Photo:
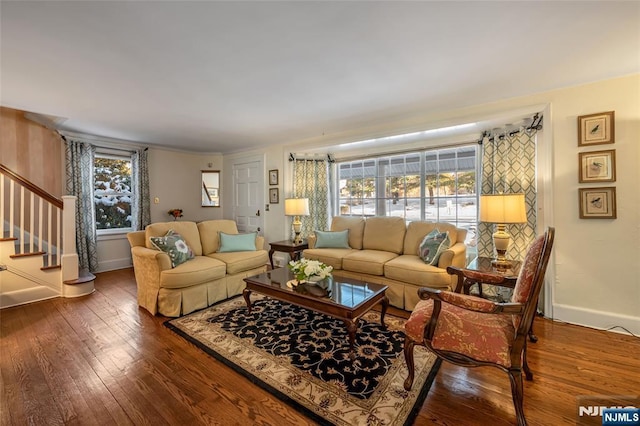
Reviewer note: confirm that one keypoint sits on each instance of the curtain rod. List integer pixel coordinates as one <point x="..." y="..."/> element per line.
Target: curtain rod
<point x="329" y="158"/>
<point x="130" y="150"/>
<point x="536" y="124"/>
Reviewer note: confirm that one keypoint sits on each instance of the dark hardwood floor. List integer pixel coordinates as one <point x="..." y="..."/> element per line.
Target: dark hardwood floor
<point x="100" y="359"/>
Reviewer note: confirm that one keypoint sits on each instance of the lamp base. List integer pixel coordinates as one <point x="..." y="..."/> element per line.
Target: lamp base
<point x="501" y="240"/>
<point x="297" y="239"/>
<point x="501" y="264"/>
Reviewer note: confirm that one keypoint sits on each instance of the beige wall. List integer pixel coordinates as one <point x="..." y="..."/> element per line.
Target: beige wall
<point x="175" y="178"/>
<point x="595" y="271"/>
<point x="32" y="151"/>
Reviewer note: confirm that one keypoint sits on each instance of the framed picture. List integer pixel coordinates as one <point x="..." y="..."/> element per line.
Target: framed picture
<point x="274" y="197"/>
<point x="598" y="203"/>
<point x="273" y="177"/>
<point x="596" y="129"/>
<point x="597" y="166"/>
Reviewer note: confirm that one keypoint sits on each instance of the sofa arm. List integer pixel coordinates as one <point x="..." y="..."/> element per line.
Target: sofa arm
<point x="145" y="255"/>
<point x="455" y="255"/>
<point x="259" y="242"/>
<point x="136" y="238"/>
<point x="311" y="240"/>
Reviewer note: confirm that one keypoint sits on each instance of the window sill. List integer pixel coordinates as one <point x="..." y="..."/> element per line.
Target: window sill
<point x="113" y="234"/>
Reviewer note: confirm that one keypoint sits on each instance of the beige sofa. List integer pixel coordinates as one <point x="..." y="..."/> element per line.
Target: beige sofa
<point x="384" y="250"/>
<point x="207" y="278"/>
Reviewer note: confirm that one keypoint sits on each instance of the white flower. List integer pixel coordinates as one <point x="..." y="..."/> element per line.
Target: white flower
<point x="305" y="268"/>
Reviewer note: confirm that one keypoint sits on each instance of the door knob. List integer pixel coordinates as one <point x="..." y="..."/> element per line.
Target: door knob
<point x="258" y="212"/>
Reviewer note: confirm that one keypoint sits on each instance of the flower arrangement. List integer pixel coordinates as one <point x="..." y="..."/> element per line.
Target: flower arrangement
<point x="176" y="213"/>
<point x="309" y="270"/>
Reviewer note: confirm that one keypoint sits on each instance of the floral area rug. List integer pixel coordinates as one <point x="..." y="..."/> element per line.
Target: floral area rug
<point x="302" y="357"/>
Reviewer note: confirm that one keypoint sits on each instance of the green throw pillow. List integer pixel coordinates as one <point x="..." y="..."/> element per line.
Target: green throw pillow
<point x="335" y="239"/>
<point x="237" y="242"/>
<point x="175" y="246"/>
<point x="432" y="246"/>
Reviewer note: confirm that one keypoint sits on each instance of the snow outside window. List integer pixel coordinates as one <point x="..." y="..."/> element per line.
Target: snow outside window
<point x="112" y="192"/>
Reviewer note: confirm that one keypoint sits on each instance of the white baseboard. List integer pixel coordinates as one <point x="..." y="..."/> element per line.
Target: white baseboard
<point x="596" y="319"/>
<point x="114" y="264"/>
<point x="28" y="295"/>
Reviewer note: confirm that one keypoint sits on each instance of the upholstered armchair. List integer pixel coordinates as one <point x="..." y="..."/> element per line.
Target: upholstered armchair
<point x="471" y="332"/>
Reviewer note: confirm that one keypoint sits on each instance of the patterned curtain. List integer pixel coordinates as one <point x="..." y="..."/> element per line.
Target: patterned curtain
<point x="311" y="181"/>
<point x="79" y="182"/>
<point x="141" y="203"/>
<point x="509" y="166"/>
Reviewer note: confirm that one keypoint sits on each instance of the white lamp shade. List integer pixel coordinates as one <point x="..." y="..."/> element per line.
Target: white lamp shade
<point x="503" y="208"/>
<point x="296" y="207"/>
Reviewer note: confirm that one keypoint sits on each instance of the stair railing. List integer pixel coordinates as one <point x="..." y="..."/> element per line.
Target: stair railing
<point x="32" y="216"/>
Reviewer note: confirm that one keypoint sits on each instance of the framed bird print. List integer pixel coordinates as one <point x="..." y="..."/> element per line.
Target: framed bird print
<point x="596" y="129"/>
<point x="597" y="166"/>
<point x="598" y="203"/>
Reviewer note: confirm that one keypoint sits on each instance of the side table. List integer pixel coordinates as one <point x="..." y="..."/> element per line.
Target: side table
<point x="483" y="264"/>
<point x="287" y="246"/>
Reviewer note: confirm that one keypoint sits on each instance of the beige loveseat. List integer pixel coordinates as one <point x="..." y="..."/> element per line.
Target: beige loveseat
<point x="207" y="278"/>
<point x="384" y="250"/>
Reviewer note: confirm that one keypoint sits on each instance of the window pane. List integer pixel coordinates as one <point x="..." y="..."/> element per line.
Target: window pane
<point x="112" y="187"/>
<point x="434" y="185"/>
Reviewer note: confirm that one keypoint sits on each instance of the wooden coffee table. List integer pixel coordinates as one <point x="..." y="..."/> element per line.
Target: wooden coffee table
<point x="343" y="298"/>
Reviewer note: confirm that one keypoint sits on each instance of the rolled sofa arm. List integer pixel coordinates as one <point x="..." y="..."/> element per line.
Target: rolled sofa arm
<point x="143" y="254"/>
<point x="455" y="255"/>
<point x="259" y="242"/>
<point x="311" y="240"/>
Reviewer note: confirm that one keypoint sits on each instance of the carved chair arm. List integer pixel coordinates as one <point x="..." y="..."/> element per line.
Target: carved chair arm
<point x="470" y="303"/>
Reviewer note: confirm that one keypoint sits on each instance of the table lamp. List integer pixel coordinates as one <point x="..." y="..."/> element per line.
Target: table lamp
<point x="502" y="209"/>
<point x="296" y="207"/>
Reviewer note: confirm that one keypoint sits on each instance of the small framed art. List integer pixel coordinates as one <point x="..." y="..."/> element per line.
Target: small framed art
<point x="596" y="129"/>
<point x="597" y="166"/>
<point x="273" y="177"/>
<point x="274" y="197"/>
<point x="598" y="203"/>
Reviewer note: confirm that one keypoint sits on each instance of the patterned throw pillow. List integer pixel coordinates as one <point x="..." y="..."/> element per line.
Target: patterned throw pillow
<point x="175" y="246"/>
<point x="432" y="246"/>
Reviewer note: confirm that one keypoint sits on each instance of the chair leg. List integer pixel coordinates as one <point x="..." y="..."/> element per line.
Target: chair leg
<point x="408" y="356"/>
<point x="517" y="393"/>
<point x="527" y="371"/>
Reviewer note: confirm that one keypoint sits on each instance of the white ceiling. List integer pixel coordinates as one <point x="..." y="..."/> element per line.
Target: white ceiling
<point x="230" y="76"/>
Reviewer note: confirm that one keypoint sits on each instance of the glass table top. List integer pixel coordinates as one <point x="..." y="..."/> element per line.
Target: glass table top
<point x="347" y="292"/>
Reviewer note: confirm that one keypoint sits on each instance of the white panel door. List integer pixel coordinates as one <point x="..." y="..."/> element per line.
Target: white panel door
<point x="248" y="183"/>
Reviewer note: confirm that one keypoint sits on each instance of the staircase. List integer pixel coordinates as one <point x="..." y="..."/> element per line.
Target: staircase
<point x="38" y="258"/>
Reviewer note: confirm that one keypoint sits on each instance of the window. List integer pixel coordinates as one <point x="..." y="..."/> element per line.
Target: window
<point x="112" y="192"/>
<point x="434" y="185"/>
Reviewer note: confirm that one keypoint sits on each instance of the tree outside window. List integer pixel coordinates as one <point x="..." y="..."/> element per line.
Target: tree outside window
<point x="112" y="192"/>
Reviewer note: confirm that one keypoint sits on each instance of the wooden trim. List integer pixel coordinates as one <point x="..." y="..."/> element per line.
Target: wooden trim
<point x="32" y="187"/>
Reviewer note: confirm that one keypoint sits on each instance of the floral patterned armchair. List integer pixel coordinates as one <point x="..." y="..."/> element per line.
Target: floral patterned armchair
<point x="472" y="332"/>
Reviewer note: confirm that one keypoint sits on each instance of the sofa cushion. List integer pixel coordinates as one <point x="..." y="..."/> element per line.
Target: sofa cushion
<point x="367" y="261"/>
<point x="237" y="242"/>
<point x="241" y="261"/>
<point x="355" y="226"/>
<point x="209" y="233"/>
<point x="384" y="233"/>
<point x="188" y="230"/>
<point x="330" y="256"/>
<point x="417" y="230"/>
<point x="200" y="269"/>
<point x="411" y="269"/>
<point x="332" y="239"/>
<point x="433" y="245"/>
<point x="174" y="245"/>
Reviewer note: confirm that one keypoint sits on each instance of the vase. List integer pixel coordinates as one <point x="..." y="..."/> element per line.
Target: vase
<point x="313" y="279"/>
